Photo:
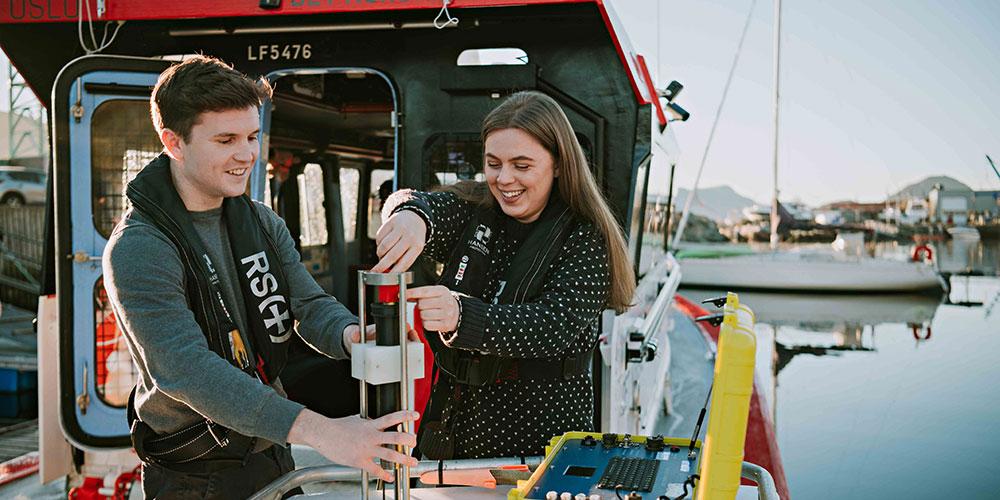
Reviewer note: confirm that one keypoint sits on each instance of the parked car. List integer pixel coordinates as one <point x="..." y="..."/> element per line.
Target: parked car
<point x="20" y="185"/>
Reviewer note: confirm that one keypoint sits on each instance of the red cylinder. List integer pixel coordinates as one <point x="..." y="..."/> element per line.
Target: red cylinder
<point x="388" y="294"/>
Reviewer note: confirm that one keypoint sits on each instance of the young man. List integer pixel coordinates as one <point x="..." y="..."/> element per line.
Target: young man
<point x="207" y="288"/>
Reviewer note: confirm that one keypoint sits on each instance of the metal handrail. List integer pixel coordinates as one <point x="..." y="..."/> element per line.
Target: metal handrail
<point x="766" y="490"/>
<point x="331" y="473"/>
<point x="651" y="322"/>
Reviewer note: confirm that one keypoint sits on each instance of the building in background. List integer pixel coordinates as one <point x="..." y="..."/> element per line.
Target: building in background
<point x="852" y="211"/>
<point x="986" y="207"/>
<point x="30" y="148"/>
<point x="950" y="206"/>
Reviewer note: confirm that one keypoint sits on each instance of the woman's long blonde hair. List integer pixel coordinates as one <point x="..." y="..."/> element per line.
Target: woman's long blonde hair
<point x="540" y="116"/>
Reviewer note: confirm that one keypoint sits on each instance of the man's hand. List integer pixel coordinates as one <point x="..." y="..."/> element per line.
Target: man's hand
<point x="352" y="335"/>
<point x="400" y="241"/>
<point x="439" y="309"/>
<point x="354" y="441"/>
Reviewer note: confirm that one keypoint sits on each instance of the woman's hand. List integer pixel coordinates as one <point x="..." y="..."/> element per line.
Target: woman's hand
<point x="354" y="441"/>
<point x="352" y="335"/>
<point x="439" y="309"/>
<point x="400" y="241"/>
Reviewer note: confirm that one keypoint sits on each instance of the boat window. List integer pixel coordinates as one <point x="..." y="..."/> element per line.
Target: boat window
<point x="654" y="219"/>
<point x="375" y="199"/>
<point x="635" y="230"/>
<point x="493" y="57"/>
<point x="350" y="185"/>
<point x="449" y="158"/>
<point x="122" y="142"/>
<point x="114" y="372"/>
<point x="313" y="235"/>
<point x="312" y="212"/>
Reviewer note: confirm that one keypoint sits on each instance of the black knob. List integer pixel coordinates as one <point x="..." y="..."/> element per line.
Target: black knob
<point x="609" y="440"/>
<point x="655" y="443"/>
<point x="589" y="441"/>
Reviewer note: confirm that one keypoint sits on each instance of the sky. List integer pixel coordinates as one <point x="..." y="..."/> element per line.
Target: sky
<point x="875" y="95"/>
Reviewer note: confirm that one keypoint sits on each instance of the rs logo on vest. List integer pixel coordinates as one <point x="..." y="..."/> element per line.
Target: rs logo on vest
<point x="262" y="285"/>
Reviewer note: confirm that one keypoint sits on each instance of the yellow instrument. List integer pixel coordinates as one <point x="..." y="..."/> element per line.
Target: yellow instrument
<point x="604" y="466"/>
<point x="731" y="390"/>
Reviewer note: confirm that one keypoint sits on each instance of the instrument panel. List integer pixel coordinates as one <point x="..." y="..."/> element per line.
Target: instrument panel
<point x="593" y="466"/>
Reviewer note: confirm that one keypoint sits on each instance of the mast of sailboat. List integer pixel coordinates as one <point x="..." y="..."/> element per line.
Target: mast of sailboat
<point x="775" y="218"/>
<point x="992" y="165"/>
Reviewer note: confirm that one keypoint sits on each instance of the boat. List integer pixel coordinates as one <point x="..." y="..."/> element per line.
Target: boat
<point x="810" y="271"/>
<point x="964" y="233"/>
<point x="358" y="110"/>
<point x="845" y="267"/>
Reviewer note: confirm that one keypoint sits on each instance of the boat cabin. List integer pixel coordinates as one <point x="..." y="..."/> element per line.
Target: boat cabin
<point x="368" y="94"/>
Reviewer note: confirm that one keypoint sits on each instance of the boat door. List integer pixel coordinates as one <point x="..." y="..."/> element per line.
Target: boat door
<point x="331" y="137"/>
<point x="328" y="134"/>
<point x="102" y="136"/>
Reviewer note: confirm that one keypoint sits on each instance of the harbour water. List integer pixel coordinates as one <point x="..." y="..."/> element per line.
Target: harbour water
<point x="887" y="396"/>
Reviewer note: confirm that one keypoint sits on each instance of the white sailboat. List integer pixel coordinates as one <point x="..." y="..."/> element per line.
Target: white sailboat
<point x="781" y="269"/>
<point x="809" y="271"/>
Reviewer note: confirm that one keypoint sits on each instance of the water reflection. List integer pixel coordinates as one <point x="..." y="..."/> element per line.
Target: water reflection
<point x="954" y="256"/>
<point x="862" y="386"/>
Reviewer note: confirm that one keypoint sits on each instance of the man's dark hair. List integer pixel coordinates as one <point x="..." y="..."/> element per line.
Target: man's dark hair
<point x="384" y="190"/>
<point x="198" y="85"/>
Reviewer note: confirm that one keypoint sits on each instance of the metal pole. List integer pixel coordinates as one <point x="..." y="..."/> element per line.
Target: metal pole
<point x="11" y="125"/>
<point x="775" y="219"/>
<point x="361" y="382"/>
<point x="403" y="480"/>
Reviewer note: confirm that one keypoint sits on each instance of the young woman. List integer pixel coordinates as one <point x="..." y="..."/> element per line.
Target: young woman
<point x="532" y="256"/>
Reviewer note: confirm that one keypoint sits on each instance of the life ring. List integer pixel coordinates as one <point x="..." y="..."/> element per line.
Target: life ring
<point x="922" y="252"/>
<point x="916" y="333"/>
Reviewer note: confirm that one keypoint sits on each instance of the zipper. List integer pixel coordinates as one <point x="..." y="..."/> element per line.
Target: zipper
<point x="221" y="442"/>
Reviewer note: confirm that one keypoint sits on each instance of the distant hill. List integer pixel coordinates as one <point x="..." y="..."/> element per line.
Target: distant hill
<point x="715" y="203"/>
<point x="923" y="188"/>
